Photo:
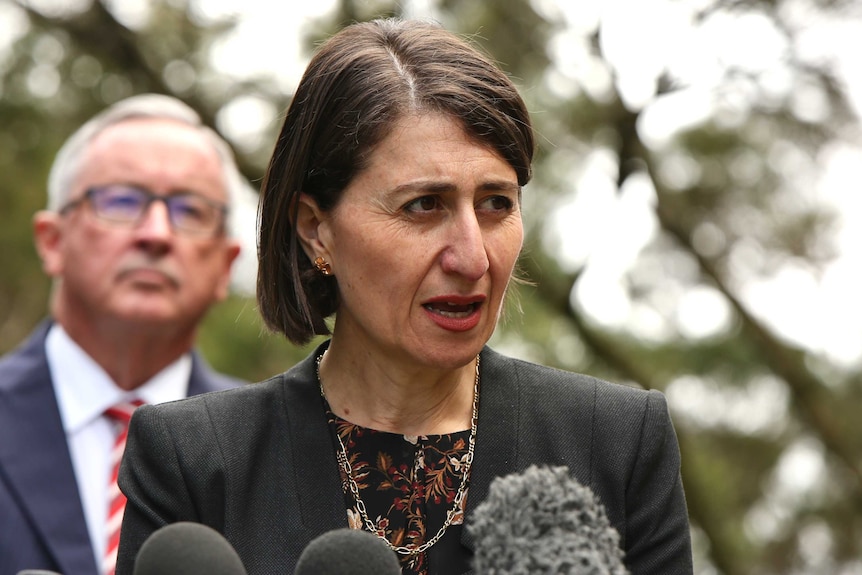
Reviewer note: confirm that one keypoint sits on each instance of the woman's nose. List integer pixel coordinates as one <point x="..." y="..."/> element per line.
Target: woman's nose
<point x="465" y="252"/>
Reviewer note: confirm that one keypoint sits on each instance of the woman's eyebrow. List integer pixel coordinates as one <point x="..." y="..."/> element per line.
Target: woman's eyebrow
<point x="438" y="187"/>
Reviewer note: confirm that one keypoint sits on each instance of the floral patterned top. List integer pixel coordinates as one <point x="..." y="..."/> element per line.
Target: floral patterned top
<point x="408" y="485"/>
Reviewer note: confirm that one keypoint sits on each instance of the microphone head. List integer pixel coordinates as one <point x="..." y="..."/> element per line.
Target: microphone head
<point x="186" y="548"/>
<point x="543" y="522"/>
<point x="347" y="552"/>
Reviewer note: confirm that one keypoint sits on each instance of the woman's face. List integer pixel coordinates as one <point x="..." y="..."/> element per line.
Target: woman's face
<point x="423" y="243"/>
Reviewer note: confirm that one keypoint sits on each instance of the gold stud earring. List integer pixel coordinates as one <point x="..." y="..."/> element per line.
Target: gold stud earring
<point x="322" y="266"/>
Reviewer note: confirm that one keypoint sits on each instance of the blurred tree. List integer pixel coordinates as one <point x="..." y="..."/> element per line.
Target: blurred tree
<point x="718" y="161"/>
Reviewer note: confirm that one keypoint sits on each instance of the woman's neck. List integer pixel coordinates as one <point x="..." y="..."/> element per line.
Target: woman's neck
<point x="388" y="397"/>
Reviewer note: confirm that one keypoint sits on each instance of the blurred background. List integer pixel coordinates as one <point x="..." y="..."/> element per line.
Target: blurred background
<point x="694" y="224"/>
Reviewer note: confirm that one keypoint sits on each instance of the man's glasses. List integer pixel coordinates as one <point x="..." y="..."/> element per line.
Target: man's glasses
<point x="126" y="205"/>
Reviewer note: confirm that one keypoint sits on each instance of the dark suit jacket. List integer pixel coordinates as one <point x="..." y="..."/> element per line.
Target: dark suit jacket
<point x="42" y="523"/>
<point x="258" y="464"/>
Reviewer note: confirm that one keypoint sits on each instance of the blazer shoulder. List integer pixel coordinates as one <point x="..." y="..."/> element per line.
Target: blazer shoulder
<point x="225" y="402"/>
<point x="547" y="380"/>
<point x="252" y="404"/>
<point x="547" y="396"/>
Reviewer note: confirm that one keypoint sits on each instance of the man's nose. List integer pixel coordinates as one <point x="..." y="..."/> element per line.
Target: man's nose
<point x="155" y="223"/>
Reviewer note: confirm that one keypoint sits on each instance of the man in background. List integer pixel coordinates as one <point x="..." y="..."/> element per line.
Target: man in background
<point x="136" y="237"/>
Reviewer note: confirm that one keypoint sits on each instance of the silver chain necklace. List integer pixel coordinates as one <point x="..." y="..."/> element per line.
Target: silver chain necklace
<point x="344" y="463"/>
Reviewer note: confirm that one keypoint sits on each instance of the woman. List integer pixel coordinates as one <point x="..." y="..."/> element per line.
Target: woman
<point x="392" y="202"/>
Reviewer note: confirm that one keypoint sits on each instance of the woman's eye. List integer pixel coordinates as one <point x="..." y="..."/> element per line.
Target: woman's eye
<point x="423" y="204"/>
<point x="497" y="203"/>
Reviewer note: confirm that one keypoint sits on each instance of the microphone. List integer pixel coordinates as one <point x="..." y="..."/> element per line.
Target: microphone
<point x="543" y="522"/>
<point x="347" y="552"/>
<point x="187" y="548"/>
<point x="36" y="572"/>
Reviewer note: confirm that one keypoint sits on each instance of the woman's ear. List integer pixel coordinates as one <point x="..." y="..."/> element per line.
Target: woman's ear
<point x="309" y="222"/>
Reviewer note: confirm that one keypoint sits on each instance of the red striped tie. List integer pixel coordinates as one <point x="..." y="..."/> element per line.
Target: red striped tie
<point x="121" y="414"/>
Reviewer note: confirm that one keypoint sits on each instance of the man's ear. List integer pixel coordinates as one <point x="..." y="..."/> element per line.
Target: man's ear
<point x="310" y="228"/>
<point x="48" y="236"/>
<point x="232" y="250"/>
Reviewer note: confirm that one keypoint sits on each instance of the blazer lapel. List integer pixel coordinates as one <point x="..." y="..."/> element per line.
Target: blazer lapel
<point x="45" y="485"/>
<point x="497" y="433"/>
<point x="317" y="477"/>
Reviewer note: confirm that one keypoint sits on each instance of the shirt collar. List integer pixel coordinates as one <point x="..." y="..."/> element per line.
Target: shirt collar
<point x="84" y="390"/>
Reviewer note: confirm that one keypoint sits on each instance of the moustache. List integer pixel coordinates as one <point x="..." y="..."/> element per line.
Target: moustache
<point x="160" y="267"/>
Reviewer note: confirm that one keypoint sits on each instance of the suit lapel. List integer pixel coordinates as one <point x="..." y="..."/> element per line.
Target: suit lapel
<point x="198" y="376"/>
<point x="44" y="486"/>
<point x="204" y="379"/>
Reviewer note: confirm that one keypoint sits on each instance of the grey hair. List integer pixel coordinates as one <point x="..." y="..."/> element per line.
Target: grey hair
<point x="67" y="162"/>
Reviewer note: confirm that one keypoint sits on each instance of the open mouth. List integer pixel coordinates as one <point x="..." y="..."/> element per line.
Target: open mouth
<point x="451" y="309"/>
<point x="455" y="313"/>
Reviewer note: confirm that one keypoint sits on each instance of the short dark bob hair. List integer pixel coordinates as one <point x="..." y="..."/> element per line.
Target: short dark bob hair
<point x="361" y="82"/>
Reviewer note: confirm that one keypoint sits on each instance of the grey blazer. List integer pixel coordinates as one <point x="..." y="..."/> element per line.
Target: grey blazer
<point x="258" y="465"/>
<point x="42" y="523"/>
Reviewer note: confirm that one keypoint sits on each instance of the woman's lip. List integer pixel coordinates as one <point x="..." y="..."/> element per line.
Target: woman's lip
<point x="456" y="300"/>
<point x="455" y="313"/>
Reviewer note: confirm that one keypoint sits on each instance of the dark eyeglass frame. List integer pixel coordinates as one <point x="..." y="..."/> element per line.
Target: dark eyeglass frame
<point x="92" y="195"/>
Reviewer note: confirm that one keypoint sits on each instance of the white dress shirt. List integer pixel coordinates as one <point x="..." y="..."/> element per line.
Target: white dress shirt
<point x="84" y="391"/>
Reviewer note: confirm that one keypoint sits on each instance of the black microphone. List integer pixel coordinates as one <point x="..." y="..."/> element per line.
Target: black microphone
<point x="347" y="552"/>
<point x="186" y="548"/>
<point x="36" y="572"/>
<point x="543" y="522"/>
